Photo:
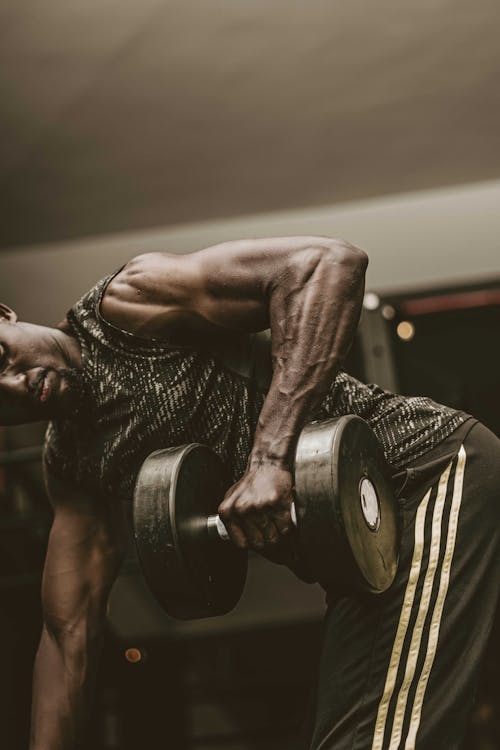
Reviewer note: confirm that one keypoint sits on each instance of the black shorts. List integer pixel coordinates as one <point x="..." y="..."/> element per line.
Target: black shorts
<point x="399" y="670"/>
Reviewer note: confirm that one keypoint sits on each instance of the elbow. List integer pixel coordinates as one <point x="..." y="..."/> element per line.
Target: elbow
<point x="329" y="252"/>
<point x="327" y="261"/>
<point x="74" y="637"/>
<point x="332" y="259"/>
<point x="345" y="254"/>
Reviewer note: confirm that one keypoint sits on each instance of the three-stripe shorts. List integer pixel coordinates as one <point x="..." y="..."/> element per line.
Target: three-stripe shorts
<point x="399" y="670"/>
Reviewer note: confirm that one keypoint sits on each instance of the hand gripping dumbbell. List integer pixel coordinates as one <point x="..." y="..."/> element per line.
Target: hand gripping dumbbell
<point x="345" y="513"/>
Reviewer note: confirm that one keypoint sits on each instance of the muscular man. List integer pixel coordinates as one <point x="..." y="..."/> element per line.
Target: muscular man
<point x="140" y="363"/>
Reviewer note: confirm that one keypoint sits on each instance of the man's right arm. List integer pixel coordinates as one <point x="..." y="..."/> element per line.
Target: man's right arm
<point x="86" y="547"/>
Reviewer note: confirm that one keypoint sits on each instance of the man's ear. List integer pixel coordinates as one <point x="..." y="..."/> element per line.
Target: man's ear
<point x="7" y="314"/>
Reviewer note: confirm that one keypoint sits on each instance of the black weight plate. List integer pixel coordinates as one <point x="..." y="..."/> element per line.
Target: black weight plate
<point x="369" y="508"/>
<point x="348" y="516"/>
<point x="190" y="574"/>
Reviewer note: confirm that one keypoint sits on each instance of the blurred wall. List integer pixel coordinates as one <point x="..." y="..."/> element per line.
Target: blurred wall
<point x="123" y="115"/>
<point x="415" y="239"/>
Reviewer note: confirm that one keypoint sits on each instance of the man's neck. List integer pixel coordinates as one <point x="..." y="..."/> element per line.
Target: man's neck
<point x="68" y="345"/>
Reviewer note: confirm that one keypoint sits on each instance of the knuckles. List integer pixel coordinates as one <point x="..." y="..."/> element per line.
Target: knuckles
<point x="272" y="498"/>
<point x="225" y="511"/>
<point x="241" y="507"/>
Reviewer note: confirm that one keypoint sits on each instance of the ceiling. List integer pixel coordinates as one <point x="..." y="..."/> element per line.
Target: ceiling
<point x="125" y="115"/>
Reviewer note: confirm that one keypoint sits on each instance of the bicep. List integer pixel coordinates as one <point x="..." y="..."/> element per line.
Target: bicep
<point x="84" y="553"/>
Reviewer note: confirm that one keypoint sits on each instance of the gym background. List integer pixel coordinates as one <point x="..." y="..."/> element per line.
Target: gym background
<point x="173" y="124"/>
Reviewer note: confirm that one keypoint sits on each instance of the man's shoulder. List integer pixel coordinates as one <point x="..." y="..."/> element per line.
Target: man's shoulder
<point x="85" y="312"/>
<point x="151" y="297"/>
<point x="65" y="489"/>
<point x="60" y="449"/>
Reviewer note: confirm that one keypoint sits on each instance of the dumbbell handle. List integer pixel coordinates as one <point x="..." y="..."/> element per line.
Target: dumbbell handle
<point x="216" y="526"/>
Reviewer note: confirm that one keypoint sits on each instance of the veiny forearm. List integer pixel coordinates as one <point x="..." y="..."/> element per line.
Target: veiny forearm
<point x="63" y="683"/>
<point x="314" y="310"/>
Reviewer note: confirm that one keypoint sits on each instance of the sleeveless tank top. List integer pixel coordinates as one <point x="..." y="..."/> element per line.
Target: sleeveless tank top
<point x="144" y="394"/>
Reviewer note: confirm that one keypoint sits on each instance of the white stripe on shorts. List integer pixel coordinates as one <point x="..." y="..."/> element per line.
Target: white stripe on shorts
<point x="433" y="568"/>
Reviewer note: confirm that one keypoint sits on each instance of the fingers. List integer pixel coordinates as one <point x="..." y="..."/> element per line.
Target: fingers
<point x="233" y="527"/>
<point x="253" y="532"/>
<point x="283" y="521"/>
<point x="242" y="526"/>
<point x="265" y="526"/>
<point x="255" y="529"/>
<point x="256" y="510"/>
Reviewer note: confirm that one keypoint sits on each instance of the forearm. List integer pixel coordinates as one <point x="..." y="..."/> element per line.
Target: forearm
<point x="63" y="679"/>
<point x="314" y="310"/>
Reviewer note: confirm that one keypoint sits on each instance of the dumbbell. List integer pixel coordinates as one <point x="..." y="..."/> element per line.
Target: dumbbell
<point x="345" y="513"/>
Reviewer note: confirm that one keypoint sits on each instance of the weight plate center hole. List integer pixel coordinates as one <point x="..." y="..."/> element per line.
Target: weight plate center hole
<point x="370" y="506"/>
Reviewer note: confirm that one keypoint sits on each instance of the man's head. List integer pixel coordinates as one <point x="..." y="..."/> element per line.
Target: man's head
<point x="39" y="366"/>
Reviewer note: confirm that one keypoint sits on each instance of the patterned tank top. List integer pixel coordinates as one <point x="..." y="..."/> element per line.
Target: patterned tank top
<point x="141" y="395"/>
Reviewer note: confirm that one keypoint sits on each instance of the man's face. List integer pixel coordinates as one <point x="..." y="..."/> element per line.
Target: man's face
<point x="35" y="371"/>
